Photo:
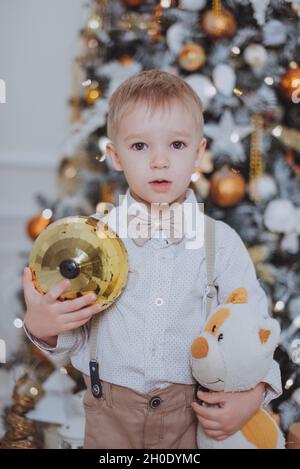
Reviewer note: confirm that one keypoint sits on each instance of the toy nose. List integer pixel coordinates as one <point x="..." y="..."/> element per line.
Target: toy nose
<point x="200" y="348"/>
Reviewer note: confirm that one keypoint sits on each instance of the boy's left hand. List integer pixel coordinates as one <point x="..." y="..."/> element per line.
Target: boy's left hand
<point x="235" y="409"/>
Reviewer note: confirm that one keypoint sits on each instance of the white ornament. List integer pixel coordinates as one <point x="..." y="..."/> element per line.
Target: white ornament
<point x="294" y="307"/>
<point x="224" y="79"/>
<point x="262" y="188"/>
<point x="289" y="243"/>
<point x="228" y="134"/>
<point x="298" y="220"/>
<point x="260" y="8"/>
<point x="280" y="216"/>
<point x="274" y="33"/>
<point x="255" y="55"/>
<point x="203" y="87"/>
<point x="176" y="36"/>
<point x="193" y="5"/>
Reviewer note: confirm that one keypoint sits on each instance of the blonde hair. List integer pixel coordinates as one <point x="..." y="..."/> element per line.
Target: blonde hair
<point x="156" y="88"/>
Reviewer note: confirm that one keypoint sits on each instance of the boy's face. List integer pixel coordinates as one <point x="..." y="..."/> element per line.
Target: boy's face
<point x="161" y="144"/>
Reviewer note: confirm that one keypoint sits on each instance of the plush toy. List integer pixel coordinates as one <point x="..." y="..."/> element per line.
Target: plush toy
<point x="234" y="353"/>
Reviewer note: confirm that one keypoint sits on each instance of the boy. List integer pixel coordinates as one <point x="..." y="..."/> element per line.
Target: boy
<point x="155" y="126"/>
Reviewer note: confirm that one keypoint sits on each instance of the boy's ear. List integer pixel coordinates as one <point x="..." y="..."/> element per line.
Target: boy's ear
<point x="200" y="151"/>
<point x="111" y="151"/>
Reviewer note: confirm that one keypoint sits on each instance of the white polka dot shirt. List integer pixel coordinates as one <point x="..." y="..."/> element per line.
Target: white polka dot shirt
<point x="145" y="336"/>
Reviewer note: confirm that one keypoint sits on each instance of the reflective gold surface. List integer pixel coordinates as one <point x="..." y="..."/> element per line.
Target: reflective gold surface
<point x="86" y="251"/>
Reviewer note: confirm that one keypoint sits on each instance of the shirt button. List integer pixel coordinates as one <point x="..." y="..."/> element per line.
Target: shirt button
<point x="155" y="402"/>
<point x="159" y="301"/>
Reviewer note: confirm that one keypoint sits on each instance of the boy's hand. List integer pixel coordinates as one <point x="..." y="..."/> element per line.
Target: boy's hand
<point x="46" y="317"/>
<point x="235" y="409"/>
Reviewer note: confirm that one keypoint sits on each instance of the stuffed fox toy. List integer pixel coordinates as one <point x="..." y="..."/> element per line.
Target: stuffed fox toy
<point x="234" y="353"/>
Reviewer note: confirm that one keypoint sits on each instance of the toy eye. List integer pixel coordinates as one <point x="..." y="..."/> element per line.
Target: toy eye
<point x="220" y="337"/>
<point x="214" y="328"/>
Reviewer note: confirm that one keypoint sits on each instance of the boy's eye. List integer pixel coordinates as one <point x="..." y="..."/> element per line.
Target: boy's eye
<point x="220" y="337"/>
<point x="177" y="145"/>
<point x="138" y="146"/>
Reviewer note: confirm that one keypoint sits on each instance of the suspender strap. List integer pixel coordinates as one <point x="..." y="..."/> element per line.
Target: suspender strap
<point x="210" y="289"/>
<point x="96" y="386"/>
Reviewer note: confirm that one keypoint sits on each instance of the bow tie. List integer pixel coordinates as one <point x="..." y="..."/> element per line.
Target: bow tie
<point x="169" y="221"/>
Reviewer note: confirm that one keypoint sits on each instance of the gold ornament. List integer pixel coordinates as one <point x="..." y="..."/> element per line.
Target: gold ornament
<point x="256" y="162"/>
<point x="227" y="187"/>
<point x="133" y="3"/>
<point x="38" y="223"/>
<point x="126" y="59"/>
<point x="22" y="433"/>
<point x="84" y="250"/>
<point x="191" y="57"/>
<point x="290" y="84"/>
<point x="218" y="23"/>
<point x="92" y="93"/>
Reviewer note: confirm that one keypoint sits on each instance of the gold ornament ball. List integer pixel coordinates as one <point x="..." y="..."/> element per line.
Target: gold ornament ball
<point x="219" y="25"/>
<point x="133" y="3"/>
<point x="191" y="57"/>
<point x="92" y="93"/>
<point x="290" y="83"/>
<point x="227" y="187"/>
<point x="36" y="225"/>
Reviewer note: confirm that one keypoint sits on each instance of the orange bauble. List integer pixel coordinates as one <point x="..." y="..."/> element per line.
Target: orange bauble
<point x="191" y="57"/>
<point x="36" y="225"/>
<point x="290" y="83"/>
<point x="133" y="3"/>
<point x="227" y="187"/>
<point x="219" y="25"/>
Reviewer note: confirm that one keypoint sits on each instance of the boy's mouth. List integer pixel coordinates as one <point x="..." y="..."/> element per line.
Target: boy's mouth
<point x="159" y="181"/>
<point x="160" y="184"/>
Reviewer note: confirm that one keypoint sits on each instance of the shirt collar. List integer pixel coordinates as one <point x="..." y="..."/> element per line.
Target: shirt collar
<point x="117" y="217"/>
<point x="190" y="199"/>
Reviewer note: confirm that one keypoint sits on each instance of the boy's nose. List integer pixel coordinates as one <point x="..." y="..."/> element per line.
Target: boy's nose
<point x="200" y="348"/>
<point x="159" y="161"/>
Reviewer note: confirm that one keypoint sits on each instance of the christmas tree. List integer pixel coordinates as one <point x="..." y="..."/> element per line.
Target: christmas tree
<point x="241" y="57"/>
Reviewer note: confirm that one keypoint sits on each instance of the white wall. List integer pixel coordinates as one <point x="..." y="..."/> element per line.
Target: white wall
<point x="38" y="39"/>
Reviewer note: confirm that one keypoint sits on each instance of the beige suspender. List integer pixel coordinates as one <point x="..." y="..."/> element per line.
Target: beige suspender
<point x="210" y="289"/>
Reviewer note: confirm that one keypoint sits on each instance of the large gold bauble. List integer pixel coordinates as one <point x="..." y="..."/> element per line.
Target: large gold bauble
<point x="218" y="25"/>
<point x="290" y="84"/>
<point x="84" y="250"/>
<point x="191" y="57"/>
<point x="227" y="188"/>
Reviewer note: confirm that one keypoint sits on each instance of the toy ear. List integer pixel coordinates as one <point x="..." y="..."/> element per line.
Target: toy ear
<point x="238" y="296"/>
<point x="269" y="333"/>
<point x="264" y="334"/>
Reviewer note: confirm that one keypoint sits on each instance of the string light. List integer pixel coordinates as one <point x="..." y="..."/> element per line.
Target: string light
<point x="47" y="213"/>
<point x="236" y="50"/>
<point x="269" y="81"/>
<point x="18" y="323"/>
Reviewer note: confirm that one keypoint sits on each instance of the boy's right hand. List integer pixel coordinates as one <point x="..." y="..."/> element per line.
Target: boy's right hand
<point x="46" y="317"/>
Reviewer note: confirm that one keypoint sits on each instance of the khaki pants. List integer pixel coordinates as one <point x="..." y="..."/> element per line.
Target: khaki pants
<point x="124" y="418"/>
